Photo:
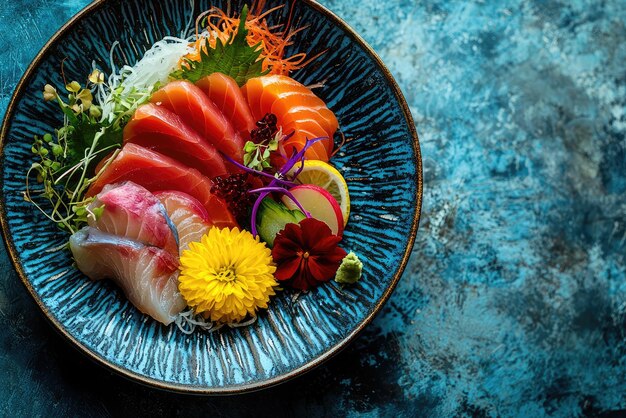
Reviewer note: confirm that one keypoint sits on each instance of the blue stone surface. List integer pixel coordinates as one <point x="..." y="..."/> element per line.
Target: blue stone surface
<point x="514" y="300"/>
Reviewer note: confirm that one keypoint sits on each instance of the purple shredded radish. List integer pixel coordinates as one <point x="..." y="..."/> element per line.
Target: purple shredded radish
<point x="299" y="156"/>
<point x="285" y="192"/>
<point x="255" y="209"/>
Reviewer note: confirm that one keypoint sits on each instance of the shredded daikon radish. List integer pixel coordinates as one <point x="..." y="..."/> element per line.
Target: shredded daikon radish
<point x="141" y="79"/>
<point x="187" y="322"/>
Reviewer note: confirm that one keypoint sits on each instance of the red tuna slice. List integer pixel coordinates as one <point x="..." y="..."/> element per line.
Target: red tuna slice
<point x="187" y="214"/>
<point x="131" y="211"/>
<point x="201" y="114"/>
<point x="225" y="93"/>
<point x="157" y="128"/>
<point x="147" y="275"/>
<point x="156" y="172"/>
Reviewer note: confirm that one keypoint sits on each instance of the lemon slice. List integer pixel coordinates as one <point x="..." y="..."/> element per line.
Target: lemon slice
<point x="327" y="177"/>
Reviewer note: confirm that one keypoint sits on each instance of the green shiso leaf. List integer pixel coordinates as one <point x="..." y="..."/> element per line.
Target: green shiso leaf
<point x="235" y="58"/>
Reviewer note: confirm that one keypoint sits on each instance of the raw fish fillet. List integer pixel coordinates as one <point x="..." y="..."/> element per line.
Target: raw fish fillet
<point x="297" y="109"/>
<point x="201" y="114"/>
<point x="156" y="172"/>
<point x="188" y="215"/>
<point x="226" y="94"/>
<point x="157" y="128"/>
<point x="131" y="211"/>
<point x="147" y="275"/>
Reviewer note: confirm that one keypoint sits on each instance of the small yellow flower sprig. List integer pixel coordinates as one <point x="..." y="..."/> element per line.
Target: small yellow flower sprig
<point x="80" y="99"/>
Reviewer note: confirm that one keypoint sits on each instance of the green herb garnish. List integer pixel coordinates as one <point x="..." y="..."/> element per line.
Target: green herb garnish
<point x="67" y="158"/>
<point x="256" y="156"/>
<point x="265" y="138"/>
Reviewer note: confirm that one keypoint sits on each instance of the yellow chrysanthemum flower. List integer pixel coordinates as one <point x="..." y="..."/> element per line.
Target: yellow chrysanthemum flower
<point x="227" y="276"/>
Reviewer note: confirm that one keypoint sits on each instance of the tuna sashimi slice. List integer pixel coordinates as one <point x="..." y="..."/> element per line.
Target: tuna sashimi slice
<point x="147" y="275"/>
<point x="159" y="129"/>
<point x="156" y="172"/>
<point x="226" y="94"/>
<point x="293" y="103"/>
<point x="131" y="211"/>
<point x="201" y="114"/>
<point x="188" y="215"/>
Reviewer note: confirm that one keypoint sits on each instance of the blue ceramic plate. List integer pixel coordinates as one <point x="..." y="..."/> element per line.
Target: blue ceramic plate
<point x="381" y="163"/>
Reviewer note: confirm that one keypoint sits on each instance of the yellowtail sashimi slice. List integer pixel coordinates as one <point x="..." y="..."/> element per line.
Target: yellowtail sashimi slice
<point x="187" y="214"/>
<point x="147" y="275"/>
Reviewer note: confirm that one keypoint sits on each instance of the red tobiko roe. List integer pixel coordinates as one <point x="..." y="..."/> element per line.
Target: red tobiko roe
<point x="306" y="254"/>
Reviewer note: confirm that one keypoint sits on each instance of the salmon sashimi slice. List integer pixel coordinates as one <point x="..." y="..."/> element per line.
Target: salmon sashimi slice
<point x="309" y="129"/>
<point x="298" y="113"/>
<point x="131" y="211"/>
<point x="155" y="172"/>
<point x="187" y="214"/>
<point x="275" y="91"/>
<point x="285" y="101"/>
<point x="293" y="102"/>
<point x="227" y="96"/>
<point x="157" y="128"/>
<point x="301" y="118"/>
<point x="147" y="275"/>
<point x="195" y="109"/>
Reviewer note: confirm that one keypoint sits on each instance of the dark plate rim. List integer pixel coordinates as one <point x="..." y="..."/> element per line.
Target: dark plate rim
<point x="237" y="389"/>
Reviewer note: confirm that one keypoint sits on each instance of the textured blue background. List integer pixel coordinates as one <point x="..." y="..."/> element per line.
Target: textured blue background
<point x="514" y="301"/>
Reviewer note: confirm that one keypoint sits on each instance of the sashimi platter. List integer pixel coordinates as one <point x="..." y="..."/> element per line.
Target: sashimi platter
<point x="225" y="193"/>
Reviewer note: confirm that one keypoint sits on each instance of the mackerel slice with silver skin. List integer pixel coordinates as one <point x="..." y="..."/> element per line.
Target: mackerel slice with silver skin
<point x="148" y="275"/>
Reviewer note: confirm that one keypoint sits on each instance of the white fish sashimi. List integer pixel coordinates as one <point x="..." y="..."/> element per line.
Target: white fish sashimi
<point x="148" y="275"/>
<point x="188" y="216"/>
<point x="131" y="211"/>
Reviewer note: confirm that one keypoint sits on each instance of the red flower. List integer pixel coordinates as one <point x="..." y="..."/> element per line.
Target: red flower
<point x="306" y="254"/>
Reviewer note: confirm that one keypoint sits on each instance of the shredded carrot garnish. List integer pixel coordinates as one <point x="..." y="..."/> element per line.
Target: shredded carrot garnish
<point x="273" y="41"/>
<point x="343" y="142"/>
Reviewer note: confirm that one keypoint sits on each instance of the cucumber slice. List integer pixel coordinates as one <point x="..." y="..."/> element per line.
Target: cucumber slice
<point x="272" y="218"/>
